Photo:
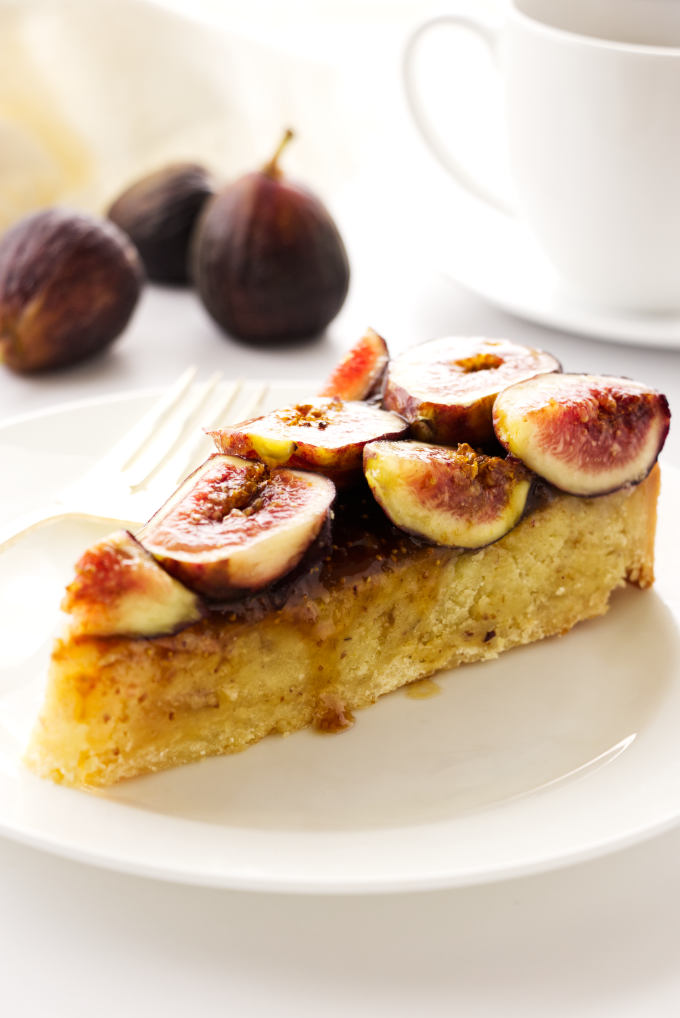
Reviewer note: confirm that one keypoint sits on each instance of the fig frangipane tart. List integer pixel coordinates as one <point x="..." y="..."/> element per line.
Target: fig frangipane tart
<point x="254" y="602"/>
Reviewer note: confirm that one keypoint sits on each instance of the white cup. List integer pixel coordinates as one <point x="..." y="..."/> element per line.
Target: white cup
<point x="592" y="109"/>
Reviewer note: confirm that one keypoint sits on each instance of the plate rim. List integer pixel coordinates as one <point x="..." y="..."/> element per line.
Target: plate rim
<point x="354" y="884"/>
<point x="573" y="315"/>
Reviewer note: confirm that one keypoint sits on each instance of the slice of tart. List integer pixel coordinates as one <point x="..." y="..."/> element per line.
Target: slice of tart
<point x="256" y="602"/>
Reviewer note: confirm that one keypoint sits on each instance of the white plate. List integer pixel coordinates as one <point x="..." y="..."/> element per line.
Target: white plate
<point x="495" y="257"/>
<point x="556" y="752"/>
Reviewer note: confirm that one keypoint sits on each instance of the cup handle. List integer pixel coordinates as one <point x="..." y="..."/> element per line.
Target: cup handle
<point x="465" y="176"/>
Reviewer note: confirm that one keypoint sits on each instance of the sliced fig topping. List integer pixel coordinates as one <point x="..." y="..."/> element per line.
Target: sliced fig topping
<point x="455" y="497"/>
<point x="360" y="373"/>
<point x="445" y="388"/>
<point x="119" y="589"/>
<point x="234" y="526"/>
<point x="586" y="434"/>
<point x="326" y="435"/>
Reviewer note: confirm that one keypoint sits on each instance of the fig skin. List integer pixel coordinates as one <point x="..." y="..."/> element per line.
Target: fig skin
<point x="267" y="260"/>
<point x="458" y="498"/>
<point x="69" y="284"/>
<point x="159" y="213"/>
<point x="586" y="434"/>
<point x="445" y="388"/>
<point x="360" y="373"/>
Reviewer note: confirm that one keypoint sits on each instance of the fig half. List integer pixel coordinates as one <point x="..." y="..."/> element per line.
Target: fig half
<point x="445" y="388"/>
<point x="325" y="435"/>
<point x="119" y="589"/>
<point x="454" y="497"/>
<point x="586" y="434"/>
<point x="234" y="526"/>
<point x="360" y="373"/>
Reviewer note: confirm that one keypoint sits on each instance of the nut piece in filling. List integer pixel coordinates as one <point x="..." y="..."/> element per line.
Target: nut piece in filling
<point x="325" y="435"/>
<point x="235" y="526"/>
<point x="445" y="388"/>
<point x="455" y="497"/>
<point x="586" y="434"/>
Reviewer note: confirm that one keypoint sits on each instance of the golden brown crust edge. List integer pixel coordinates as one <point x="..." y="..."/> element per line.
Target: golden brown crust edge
<point x="120" y="707"/>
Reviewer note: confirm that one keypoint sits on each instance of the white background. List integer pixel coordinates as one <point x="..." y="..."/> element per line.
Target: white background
<point x="597" y="939"/>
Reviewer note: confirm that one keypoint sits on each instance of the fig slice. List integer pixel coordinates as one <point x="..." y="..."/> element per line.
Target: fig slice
<point x="455" y="497"/>
<point x="119" y="589"/>
<point x="234" y="526"/>
<point x="326" y="435"/>
<point x="445" y="388"/>
<point x="586" y="434"/>
<point x="360" y="373"/>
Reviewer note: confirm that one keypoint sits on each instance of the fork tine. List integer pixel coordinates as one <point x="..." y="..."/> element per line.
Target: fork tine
<point x="169" y="438"/>
<point x="215" y="419"/>
<point x="134" y="441"/>
<point x="194" y="453"/>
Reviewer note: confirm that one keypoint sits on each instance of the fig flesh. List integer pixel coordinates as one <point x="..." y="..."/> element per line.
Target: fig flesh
<point x="586" y="434"/>
<point x="450" y="496"/>
<point x="360" y="373"/>
<point x="119" y="589"/>
<point x="234" y="526"/>
<point x="325" y="435"/>
<point x="159" y="213"/>
<point x="268" y="261"/>
<point x="445" y="388"/>
<point x="68" y="286"/>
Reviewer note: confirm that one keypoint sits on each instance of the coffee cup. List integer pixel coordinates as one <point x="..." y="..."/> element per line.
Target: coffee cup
<point x="592" y="115"/>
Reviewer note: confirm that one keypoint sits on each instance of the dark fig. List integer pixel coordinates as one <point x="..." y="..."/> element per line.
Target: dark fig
<point x="359" y="374"/>
<point x="68" y="286"/>
<point x="267" y="259"/>
<point x="159" y="213"/>
<point x="586" y="434"/>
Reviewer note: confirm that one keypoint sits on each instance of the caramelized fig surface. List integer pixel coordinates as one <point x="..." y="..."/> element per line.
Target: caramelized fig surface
<point x="445" y="388"/>
<point x="450" y="496"/>
<point x="234" y="526"/>
<point x="267" y="259"/>
<point x="360" y="373"/>
<point x="119" y="589"/>
<point x="325" y="435"/>
<point x="68" y="286"/>
<point x="159" y="213"/>
<point x="586" y="434"/>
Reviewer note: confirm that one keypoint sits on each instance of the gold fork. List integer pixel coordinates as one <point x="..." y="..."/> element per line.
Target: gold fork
<point x="134" y="477"/>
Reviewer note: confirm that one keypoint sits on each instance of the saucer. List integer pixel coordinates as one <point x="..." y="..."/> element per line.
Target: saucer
<point x="494" y="256"/>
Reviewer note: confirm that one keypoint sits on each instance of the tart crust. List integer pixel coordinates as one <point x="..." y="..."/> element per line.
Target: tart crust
<point x="117" y="707"/>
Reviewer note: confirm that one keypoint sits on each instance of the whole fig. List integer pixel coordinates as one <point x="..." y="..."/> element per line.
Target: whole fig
<point x="267" y="259"/>
<point x="68" y="286"/>
<point x="159" y="213"/>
